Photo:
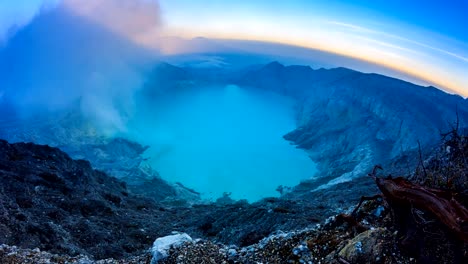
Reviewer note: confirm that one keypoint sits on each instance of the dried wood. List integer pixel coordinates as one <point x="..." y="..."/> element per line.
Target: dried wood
<point x="442" y="204"/>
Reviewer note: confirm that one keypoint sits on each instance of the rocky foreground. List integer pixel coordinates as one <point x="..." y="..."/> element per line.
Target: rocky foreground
<point x="52" y="202"/>
<point x="54" y="209"/>
<point x="336" y="241"/>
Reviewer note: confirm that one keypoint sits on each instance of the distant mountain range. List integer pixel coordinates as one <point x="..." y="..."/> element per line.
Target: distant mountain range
<point x="83" y="76"/>
<point x="347" y="121"/>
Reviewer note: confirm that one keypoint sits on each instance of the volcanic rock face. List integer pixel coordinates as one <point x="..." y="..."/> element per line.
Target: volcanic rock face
<point x="349" y="120"/>
<point x="53" y="202"/>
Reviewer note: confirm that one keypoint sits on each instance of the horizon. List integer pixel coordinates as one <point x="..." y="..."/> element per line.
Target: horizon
<point x="412" y="48"/>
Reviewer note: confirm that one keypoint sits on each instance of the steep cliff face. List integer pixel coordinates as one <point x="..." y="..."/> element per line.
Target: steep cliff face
<point x="349" y="121"/>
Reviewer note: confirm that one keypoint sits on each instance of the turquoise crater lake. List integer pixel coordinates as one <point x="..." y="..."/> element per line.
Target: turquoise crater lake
<point x="224" y="139"/>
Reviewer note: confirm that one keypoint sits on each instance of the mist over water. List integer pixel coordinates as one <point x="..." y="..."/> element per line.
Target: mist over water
<point x="224" y="139"/>
<point x="214" y="140"/>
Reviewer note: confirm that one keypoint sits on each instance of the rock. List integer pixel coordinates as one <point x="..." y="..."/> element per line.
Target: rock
<point x="232" y="252"/>
<point x="162" y="245"/>
<point x="366" y="247"/>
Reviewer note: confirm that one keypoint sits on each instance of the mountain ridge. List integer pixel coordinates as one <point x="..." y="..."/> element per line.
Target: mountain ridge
<point x="333" y="106"/>
<point x="336" y="105"/>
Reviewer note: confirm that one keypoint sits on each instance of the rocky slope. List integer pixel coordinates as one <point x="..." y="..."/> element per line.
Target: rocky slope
<point x="349" y="121"/>
<point x="370" y="239"/>
<point x="81" y="139"/>
<point x="55" y="203"/>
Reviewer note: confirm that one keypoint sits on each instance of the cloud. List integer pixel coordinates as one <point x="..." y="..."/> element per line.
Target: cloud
<point x="380" y="34"/>
<point x="16" y="14"/>
<point x="61" y="58"/>
<point x="436" y="59"/>
<point x="135" y="19"/>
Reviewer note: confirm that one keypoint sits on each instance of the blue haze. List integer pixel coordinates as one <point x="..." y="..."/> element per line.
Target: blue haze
<point x="213" y="140"/>
<point x="60" y="59"/>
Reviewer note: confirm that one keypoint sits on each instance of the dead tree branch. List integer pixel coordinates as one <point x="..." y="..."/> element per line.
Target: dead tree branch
<point x="400" y="192"/>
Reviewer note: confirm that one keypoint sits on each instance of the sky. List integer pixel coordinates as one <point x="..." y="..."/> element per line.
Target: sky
<point x="425" y="39"/>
